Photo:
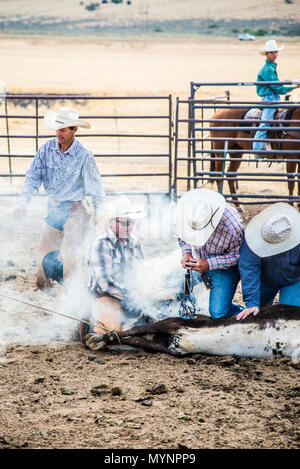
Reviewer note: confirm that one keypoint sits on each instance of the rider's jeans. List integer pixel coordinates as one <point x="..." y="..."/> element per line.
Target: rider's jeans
<point x="267" y="114"/>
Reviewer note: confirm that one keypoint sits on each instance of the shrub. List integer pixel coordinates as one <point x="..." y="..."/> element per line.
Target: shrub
<point x="92" y="6"/>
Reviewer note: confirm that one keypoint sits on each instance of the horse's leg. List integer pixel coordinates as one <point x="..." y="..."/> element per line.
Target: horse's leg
<point x="291" y="168"/>
<point x="233" y="168"/>
<point x="215" y="165"/>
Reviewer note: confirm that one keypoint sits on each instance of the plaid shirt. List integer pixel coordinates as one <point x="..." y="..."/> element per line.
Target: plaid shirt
<point x="222" y="249"/>
<point x="109" y="263"/>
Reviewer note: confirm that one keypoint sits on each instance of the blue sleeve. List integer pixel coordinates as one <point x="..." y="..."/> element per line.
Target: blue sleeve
<point x="34" y="177"/>
<point x="93" y="183"/>
<point x="250" y="270"/>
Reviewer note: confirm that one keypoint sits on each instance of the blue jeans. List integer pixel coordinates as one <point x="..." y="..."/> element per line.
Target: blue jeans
<point x="267" y="114"/>
<point x="58" y="214"/>
<point x="224" y="282"/>
<point x="289" y="295"/>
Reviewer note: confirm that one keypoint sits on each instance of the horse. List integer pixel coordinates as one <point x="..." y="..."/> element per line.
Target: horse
<point x="238" y="143"/>
<point x="274" y="332"/>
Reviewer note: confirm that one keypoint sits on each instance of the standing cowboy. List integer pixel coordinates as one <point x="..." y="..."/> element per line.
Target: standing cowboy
<point x="270" y="259"/>
<point x="68" y="171"/>
<point x="210" y="236"/>
<point x="268" y="93"/>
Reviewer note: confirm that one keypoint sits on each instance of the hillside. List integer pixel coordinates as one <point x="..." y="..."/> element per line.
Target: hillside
<point x="138" y="17"/>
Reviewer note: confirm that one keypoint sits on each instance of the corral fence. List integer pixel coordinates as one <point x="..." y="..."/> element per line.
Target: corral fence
<point x="254" y="179"/>
<point x="131" y="138"/>
<point x="142" y="149"/>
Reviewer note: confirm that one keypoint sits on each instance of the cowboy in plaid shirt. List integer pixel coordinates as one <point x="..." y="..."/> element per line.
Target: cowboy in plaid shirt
<point x="111" y="260"/>
<point x="211" y="233"/>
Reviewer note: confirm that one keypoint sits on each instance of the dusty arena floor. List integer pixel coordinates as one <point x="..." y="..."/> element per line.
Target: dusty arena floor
<point x="57" y="394"/>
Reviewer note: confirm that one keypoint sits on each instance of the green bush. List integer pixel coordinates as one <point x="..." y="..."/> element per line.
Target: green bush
<point x="92" y="6"/>
<point x="260" y="32"/>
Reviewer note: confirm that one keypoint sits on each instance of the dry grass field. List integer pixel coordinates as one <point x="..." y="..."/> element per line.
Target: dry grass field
<point x="47" y="380"/>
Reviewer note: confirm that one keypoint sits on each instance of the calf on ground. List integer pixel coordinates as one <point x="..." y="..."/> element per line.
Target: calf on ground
<point x="275" y="331"/>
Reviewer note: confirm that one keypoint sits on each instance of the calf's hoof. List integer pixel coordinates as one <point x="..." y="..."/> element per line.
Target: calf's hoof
<point x="95" y="341"/>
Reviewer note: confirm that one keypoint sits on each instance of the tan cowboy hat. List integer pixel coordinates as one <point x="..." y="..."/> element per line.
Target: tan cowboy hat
<point x="65" y="117"/>
<point x="274" y="230"/>
<point x="122" y="208"/>
<point x="198" y="213"/>
<point x="270" y="46"/>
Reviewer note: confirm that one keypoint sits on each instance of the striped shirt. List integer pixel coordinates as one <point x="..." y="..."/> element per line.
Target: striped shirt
<point x="222" y="249"/>
<point x="68" y="176"/>
<point x="110" y="263"/>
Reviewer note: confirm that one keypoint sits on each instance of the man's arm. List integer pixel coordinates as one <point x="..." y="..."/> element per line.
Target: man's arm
<point x="33" y="181"/>
<point x="250" y="271"/>
<point x="93" y="183"/>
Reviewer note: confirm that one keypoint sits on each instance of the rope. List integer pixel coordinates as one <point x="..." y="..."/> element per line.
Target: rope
<point x="55" y="312"/>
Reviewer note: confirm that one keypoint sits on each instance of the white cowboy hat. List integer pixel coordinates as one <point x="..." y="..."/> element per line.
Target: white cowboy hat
<point x="270" y="46"/>
<point x="198" y="213"/>
<point x="65" y="117"/>
<point x="122" y="208"/>
<point x="274" y="230"/>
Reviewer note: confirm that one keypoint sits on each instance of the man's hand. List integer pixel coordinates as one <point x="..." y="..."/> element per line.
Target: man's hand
<point x="185" y="258"/>
<point x="20" y="212"/>
<point x="246" y="312"/>
<point x="199" y="265"/>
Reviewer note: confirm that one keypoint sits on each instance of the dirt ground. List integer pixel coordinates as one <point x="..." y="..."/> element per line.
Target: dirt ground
<point x="57" y="394"/>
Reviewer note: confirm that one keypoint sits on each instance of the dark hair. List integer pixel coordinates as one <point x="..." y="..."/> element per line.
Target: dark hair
<point x="72" y="128"/>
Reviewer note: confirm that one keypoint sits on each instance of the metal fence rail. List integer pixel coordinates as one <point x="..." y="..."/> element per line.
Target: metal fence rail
<point x="38" y="136"/>
<point x="193" y="149"/>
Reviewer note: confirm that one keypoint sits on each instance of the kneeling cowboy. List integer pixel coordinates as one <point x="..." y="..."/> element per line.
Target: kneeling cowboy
<point x="111" y="262"/>
<point x="68" y="172"/>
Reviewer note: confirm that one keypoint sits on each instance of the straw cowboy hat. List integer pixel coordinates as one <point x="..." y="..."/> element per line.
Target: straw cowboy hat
<point x="198" y="213"/>
<point x="274" y="230"/>
<point x="122" y="208"/>
<point x="65" y="117"/>
<point x="270" y="46"/>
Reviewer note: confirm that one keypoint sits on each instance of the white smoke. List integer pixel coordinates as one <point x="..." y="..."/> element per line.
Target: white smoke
<point x="154" y="281"/>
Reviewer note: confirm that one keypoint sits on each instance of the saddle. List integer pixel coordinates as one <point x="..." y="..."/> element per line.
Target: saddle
<point x="254" y="114"/>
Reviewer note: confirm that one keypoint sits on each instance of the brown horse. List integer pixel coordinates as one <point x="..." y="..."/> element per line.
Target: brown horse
<point x="235" y="139"/>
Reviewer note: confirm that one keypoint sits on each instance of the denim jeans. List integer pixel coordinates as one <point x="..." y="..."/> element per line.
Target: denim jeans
<point x="267" y="114"/>
<point x="224" y="282"/>
<point x="289" y="295"/>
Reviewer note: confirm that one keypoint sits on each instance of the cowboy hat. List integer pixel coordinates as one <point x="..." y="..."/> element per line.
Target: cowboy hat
<point x="65" y="117"/>
<point x="270" y="46"/>
<point x="122" y="208"/>
<point x="274" y="230"/>
<point x="198" y="213"/>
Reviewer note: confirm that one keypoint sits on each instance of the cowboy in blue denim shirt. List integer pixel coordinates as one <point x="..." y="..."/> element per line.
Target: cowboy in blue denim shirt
<point x="270" y="259"/>
<point x="68" y="172"/>
<point x="268" y="93"/>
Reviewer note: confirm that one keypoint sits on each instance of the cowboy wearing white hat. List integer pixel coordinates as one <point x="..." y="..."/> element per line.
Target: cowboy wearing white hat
<point x="111" y="261"/>
<point x="210" y="233"/>
<point x="270" y="259"/>
<point x="68" y="173"/>
<point x="268" y="92"/>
